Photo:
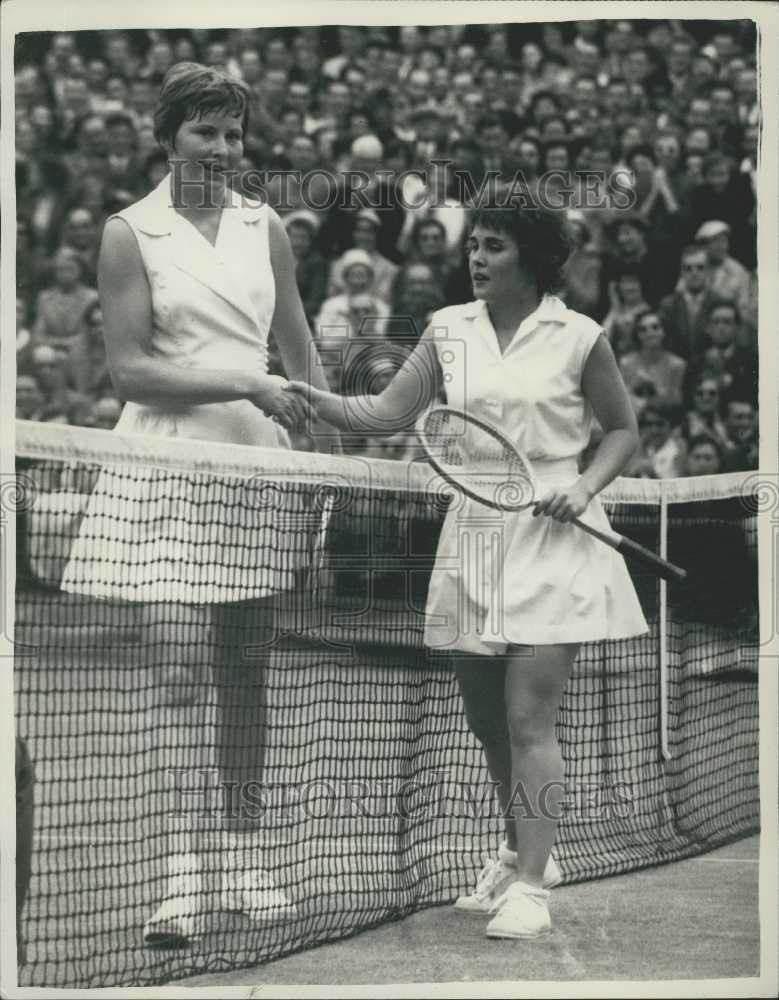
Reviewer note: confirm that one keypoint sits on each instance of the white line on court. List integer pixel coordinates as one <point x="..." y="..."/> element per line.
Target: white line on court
<point x="727" y="861"/>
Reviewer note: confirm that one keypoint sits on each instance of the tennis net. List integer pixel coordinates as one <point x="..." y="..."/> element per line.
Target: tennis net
<point x="169" y="715"/>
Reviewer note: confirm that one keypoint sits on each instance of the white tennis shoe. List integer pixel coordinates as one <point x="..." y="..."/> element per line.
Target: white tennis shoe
<point x="180" y="917"/>
<point x="251" y="890"/>
<point x="524" y="913"/>
<point x="495" y="879"/>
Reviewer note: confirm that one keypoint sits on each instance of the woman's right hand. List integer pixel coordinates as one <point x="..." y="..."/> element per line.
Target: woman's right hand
<point x="290" y="409"/>
<point x="306" y="392"/>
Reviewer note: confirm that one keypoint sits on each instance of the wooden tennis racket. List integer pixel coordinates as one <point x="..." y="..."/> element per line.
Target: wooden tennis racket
<point x="477" y="459"/>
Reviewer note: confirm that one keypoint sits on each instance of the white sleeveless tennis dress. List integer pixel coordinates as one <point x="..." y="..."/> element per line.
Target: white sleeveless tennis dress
<point x="149" y="536"/>
<point x="510" y="578"/>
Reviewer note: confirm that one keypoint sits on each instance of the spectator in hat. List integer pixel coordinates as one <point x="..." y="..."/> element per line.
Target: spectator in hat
<point x="311" y="267"/>
<point x="364" y="237"/>
<point x="684" y="312"/>
<point x="727" y="277"/>
<point x="726" y="196"/>
<point x="60" y="403"/>
<point x="357" y="311"/>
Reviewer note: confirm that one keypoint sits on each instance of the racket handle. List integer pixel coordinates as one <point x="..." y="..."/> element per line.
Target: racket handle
<point x="632" y="550"/>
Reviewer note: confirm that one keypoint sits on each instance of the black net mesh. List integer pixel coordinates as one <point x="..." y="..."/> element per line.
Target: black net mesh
<point x="255" y="698"/>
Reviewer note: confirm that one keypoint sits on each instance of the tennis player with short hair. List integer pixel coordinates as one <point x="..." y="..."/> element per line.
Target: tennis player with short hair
<point x="192" y="278"/>
<point x="539" y="371"/>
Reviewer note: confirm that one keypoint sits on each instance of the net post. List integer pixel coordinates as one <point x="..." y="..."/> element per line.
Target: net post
<point x="665" y="750"/>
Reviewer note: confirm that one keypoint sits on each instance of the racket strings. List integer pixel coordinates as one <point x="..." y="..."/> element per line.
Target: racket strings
<point x="479" y="458"/>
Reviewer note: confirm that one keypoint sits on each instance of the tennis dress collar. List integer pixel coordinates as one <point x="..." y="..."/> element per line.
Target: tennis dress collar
<point x="192" y="253"/>
<point x="550" y="310"/>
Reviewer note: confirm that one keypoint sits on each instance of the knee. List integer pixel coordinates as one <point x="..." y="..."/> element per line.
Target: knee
<point x="489" y="732"/>
<point x="530" y="725"/>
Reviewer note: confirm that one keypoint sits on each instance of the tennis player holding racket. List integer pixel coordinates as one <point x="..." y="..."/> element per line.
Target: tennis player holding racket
<point x="539" y="371"/>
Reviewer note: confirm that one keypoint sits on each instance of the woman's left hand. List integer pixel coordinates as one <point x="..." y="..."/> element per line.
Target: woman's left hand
<point x="564" y="505"/>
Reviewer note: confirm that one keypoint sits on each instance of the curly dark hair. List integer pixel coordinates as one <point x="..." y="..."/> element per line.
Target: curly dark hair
<point x="542" y="236"/>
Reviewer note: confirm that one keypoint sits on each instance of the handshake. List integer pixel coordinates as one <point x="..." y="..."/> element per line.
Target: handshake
<point x="291" y="404"/>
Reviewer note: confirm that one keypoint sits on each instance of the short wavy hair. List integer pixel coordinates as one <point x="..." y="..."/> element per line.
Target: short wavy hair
<point x="542" y="236"/>
<point x="190" y="90"/>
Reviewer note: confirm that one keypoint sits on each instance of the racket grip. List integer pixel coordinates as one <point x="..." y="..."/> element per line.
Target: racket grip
<point x="664" y="569"/>
<point x="632" y="550"/>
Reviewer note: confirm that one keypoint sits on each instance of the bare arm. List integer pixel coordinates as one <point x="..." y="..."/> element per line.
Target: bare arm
<point x="412" y="389"/>
<point x="605" y="391"/>
<point x="290" y="326"/>
<point x="141" y="376"/>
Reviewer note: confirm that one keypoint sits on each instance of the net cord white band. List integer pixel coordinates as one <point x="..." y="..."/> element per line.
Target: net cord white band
<point x="60" y="442"/>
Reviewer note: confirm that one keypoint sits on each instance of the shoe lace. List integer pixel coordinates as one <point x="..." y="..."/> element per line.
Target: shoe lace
<point x="489" y="877"/>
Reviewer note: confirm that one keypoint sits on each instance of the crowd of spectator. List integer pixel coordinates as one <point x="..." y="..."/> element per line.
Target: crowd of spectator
<point x="645" y="131"/>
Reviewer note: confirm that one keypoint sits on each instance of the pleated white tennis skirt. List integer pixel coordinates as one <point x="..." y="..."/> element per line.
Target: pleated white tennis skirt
<point x="503" y="578"/>
<point x="153" y="535"/>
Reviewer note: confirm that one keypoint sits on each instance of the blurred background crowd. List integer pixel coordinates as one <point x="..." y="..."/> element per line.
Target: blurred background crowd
<point x="645" y="131"/>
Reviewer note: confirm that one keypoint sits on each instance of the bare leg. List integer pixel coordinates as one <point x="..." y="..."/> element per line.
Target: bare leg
<point x="482" y="682"/>
<point x="174" y="651"/>
<point x="241" y="638"/>
<point x="534" y="689"/>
